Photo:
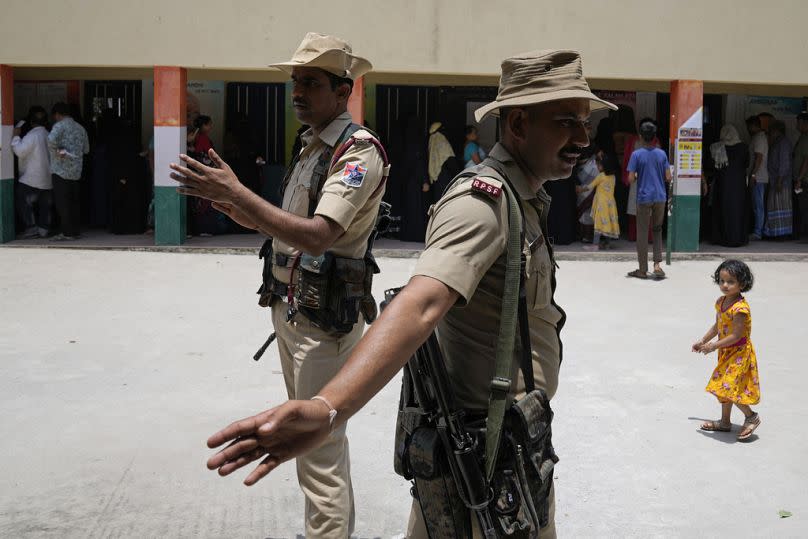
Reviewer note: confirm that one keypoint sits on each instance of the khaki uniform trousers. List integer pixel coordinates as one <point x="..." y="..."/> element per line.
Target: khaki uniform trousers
<point x="310" y="357"/>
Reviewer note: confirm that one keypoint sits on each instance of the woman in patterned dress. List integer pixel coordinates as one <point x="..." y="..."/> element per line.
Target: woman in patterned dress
<point x="735" y="379"/>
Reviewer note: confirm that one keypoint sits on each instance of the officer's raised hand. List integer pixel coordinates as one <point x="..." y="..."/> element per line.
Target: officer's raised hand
<point x="217" y="183"/>
<point x="277" y="435"/>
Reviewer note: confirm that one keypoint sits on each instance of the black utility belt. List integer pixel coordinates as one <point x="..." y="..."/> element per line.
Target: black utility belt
<point x="331" y="291"/>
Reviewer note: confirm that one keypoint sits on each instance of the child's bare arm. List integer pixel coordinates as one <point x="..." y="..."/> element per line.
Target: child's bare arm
<point x="711" y="333"/>
<point x="709" y="336"/>
<point x="738" y="325"/>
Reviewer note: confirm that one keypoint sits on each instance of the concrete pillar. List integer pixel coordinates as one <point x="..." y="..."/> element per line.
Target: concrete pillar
<point x="356" y="103"/>
<point x="6" y="156"/>
<point x="370" y="106"/>
<point x="687" y="99"/>
<point x="170" y="208"/>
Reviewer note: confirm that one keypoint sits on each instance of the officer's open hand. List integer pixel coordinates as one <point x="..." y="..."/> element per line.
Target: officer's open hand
<point x="277" y="435"/>
<point x="217" y="183"/>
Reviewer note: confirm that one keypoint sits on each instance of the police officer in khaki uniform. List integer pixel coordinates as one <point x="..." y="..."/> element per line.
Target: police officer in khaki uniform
<point x="330" y="204"/>
<point x="543" y="104"/>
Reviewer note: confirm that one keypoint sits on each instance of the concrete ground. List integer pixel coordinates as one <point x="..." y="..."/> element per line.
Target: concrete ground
<point x="116" y="366"/>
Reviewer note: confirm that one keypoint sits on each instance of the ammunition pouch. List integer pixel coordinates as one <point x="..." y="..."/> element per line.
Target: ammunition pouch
<point x="333" y="291"/>
<point x="523" y="475"/>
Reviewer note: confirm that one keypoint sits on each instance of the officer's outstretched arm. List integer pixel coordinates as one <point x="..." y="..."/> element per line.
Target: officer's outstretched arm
<point x="220" y="184"/>
<point x="296" y="427"/>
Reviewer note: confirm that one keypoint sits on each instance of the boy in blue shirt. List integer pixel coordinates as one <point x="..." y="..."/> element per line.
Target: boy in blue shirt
<point x="649" y="167"/>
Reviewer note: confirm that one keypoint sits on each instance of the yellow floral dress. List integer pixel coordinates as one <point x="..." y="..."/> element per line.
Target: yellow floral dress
<point x="735" y="379"/>
<point x="604" y="209"/>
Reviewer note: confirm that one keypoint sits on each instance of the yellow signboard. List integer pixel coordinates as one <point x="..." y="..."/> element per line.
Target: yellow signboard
<point x="689" y="157"/>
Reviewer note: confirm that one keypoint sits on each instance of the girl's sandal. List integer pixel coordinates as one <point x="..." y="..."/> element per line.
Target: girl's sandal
<point x="716" y="426"/>
<point x="749" y="425"/>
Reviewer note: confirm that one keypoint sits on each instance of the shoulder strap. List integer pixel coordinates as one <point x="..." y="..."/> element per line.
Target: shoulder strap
<point x="501" y="383"/>
<point x="324" y="164"/>
<point x="526" y="356"/>
<point x="374" y="139"/>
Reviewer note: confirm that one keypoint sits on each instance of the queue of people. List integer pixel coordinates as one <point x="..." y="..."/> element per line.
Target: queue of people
<point x="51" y="166"/>
<point x="754" y="192"/>
<point x="750" y="191"/>
<point x="65" y="181"/>
<point x="68" y="180"/>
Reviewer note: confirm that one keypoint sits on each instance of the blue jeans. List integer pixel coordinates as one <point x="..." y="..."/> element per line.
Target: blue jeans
<point x="758" y="192"/>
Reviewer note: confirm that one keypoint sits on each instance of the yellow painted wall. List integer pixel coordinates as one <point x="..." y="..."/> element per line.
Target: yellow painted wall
<point x="735" y="41"/>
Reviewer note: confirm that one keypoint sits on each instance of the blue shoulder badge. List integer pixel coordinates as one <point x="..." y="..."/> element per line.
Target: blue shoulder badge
<point x="353" y="175"/>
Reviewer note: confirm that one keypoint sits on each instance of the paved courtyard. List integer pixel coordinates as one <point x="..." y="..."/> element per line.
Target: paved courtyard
<point x="116" y="366"/>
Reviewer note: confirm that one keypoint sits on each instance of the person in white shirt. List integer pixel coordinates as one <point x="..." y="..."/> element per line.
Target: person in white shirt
<point x="758" y="172"/>
<point x="36" y="186"/>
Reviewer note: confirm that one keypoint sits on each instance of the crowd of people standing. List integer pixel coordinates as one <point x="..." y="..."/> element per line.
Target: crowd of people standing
<point x="750" y="191"/>
<point x="577" y="211"/>
<point x="755" y="191"/>
<point x="51" y="164"/>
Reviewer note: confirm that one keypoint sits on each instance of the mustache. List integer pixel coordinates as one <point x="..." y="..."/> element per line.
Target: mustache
<point x="299" y="102"/>
<point x="577" y="150"/>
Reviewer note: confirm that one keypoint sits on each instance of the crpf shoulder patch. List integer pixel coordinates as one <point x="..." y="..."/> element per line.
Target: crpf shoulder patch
<point x="487" y="186"/>
<point x="353" y="174"/>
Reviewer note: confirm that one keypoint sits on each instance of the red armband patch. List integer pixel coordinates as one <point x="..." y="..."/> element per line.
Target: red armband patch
<point x="489" y="189"/>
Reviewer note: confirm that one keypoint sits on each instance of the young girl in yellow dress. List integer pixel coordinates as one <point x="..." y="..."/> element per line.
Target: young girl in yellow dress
<point x="604" y="208"/>
<point x="735" y="378"/>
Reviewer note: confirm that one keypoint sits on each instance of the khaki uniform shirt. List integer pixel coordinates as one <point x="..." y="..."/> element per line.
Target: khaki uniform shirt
<point x="350" y="195"/>
<point x="465" y="249"/>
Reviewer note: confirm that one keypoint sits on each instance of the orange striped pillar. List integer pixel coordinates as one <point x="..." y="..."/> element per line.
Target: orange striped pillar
<point x="6" y="157"/>
<point x="356" y="103"/>
<point x="170" y="207"/>
<point x="686" y="129"/>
